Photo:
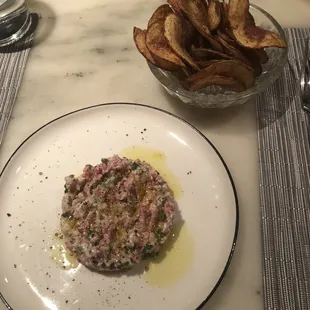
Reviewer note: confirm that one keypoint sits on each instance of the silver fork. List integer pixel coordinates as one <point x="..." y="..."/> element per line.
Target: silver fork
<point x="305" y="78"/>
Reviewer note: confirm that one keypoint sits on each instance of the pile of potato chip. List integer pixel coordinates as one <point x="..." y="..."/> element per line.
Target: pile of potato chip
<point x="207" y="42"/>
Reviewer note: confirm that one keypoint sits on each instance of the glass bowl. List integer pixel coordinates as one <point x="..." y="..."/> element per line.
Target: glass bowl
<point x="216" y="97"/>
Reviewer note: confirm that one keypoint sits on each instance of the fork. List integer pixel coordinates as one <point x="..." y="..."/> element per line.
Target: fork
<point x="305" y="78"/>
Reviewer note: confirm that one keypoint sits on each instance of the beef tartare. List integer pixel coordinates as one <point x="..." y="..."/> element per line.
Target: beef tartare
<point x="116" y="213"/>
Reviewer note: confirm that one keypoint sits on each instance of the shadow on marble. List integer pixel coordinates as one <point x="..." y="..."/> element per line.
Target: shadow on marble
<point x="47" y="20"/>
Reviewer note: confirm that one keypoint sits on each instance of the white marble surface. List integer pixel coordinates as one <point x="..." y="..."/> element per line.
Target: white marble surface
<point x="85" y="55"/>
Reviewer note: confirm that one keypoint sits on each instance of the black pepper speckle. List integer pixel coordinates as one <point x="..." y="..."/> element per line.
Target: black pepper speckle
<point x="9" y="214"/>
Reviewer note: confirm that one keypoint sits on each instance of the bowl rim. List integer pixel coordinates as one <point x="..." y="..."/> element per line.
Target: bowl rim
<point x="256" y="89"/>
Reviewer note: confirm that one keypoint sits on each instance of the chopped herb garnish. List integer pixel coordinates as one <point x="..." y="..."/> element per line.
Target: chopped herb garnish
<point x="130" y="250"/>
<point x="148" y="247"/>
<point x="67" y="215"/>
<point x="161" y="216"/>
<point x="159" y="234"/>
<point x="134" y="166"/>
<point x="104" y="160"/>
<point x="91" y="234"/>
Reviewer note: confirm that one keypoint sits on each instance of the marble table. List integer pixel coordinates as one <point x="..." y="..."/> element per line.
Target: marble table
<point x="84" y="55"/>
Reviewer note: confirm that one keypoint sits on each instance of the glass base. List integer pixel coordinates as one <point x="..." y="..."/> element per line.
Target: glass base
<point x="14" y="26"/>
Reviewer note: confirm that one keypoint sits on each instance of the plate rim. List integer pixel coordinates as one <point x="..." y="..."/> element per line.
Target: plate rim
<point x="233" y="246"/>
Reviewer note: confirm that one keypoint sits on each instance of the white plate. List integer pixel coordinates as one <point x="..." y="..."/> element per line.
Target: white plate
<point x="31" y="188"/>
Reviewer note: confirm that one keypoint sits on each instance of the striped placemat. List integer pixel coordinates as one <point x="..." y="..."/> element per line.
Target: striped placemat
<point x="13" y="59"/>
<point x="284" y="171"/>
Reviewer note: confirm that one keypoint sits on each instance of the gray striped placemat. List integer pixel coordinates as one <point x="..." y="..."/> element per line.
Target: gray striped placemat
<point x="284" y="171"/>
<point x="13" y="60"/>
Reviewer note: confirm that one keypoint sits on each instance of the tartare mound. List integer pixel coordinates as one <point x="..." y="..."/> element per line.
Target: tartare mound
<point x="116" y="213"/>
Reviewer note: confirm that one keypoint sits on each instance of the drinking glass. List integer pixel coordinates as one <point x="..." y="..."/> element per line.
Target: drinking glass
<point x="15" y="21"/>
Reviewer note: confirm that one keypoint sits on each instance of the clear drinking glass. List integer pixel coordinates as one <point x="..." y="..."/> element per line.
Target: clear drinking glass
<point x="15" y="21"/>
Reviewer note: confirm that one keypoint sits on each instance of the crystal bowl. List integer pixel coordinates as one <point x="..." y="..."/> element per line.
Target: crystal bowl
<point x="216" y="97"/>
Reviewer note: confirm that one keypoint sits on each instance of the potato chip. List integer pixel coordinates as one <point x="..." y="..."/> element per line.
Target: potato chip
<point x="139" y="37"/>
<point x="197" y="13"/>
<point x="254" y="60"/>
<point x="182" y="74"/>
<point x="208" y="54"/>
<point x="224" y="25"/>
<point x="224" y="36"/>
<point x="199" y="42"/>
<point x="215" y="44"/>
<point x="159" y="47"/>
<point x="206" y="63"/>
<point x="175" y="5"/>
<point x="194" y="84"/>
<point x="230" y="68"/>
<point x="247" y="34"/>
<point x="227" y="38"/>
<point x="214" y="14"/>
<point x="178" y="33"/>
<point x="233" y="51"/>
<point x="160" y="14"/>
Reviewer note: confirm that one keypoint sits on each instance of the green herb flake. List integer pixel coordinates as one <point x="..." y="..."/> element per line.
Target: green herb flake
<point x="91" y="234"/>
<point x="159" y="234"/>
<point x="134" y="166"/>
<point x="104" y="160"/>
<point x="161" y="216"/>
<point x="67" y="215"/>
<point x="148" y="247"/>
<point x="110" y="248"/>
<point x="130" y="250"/>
